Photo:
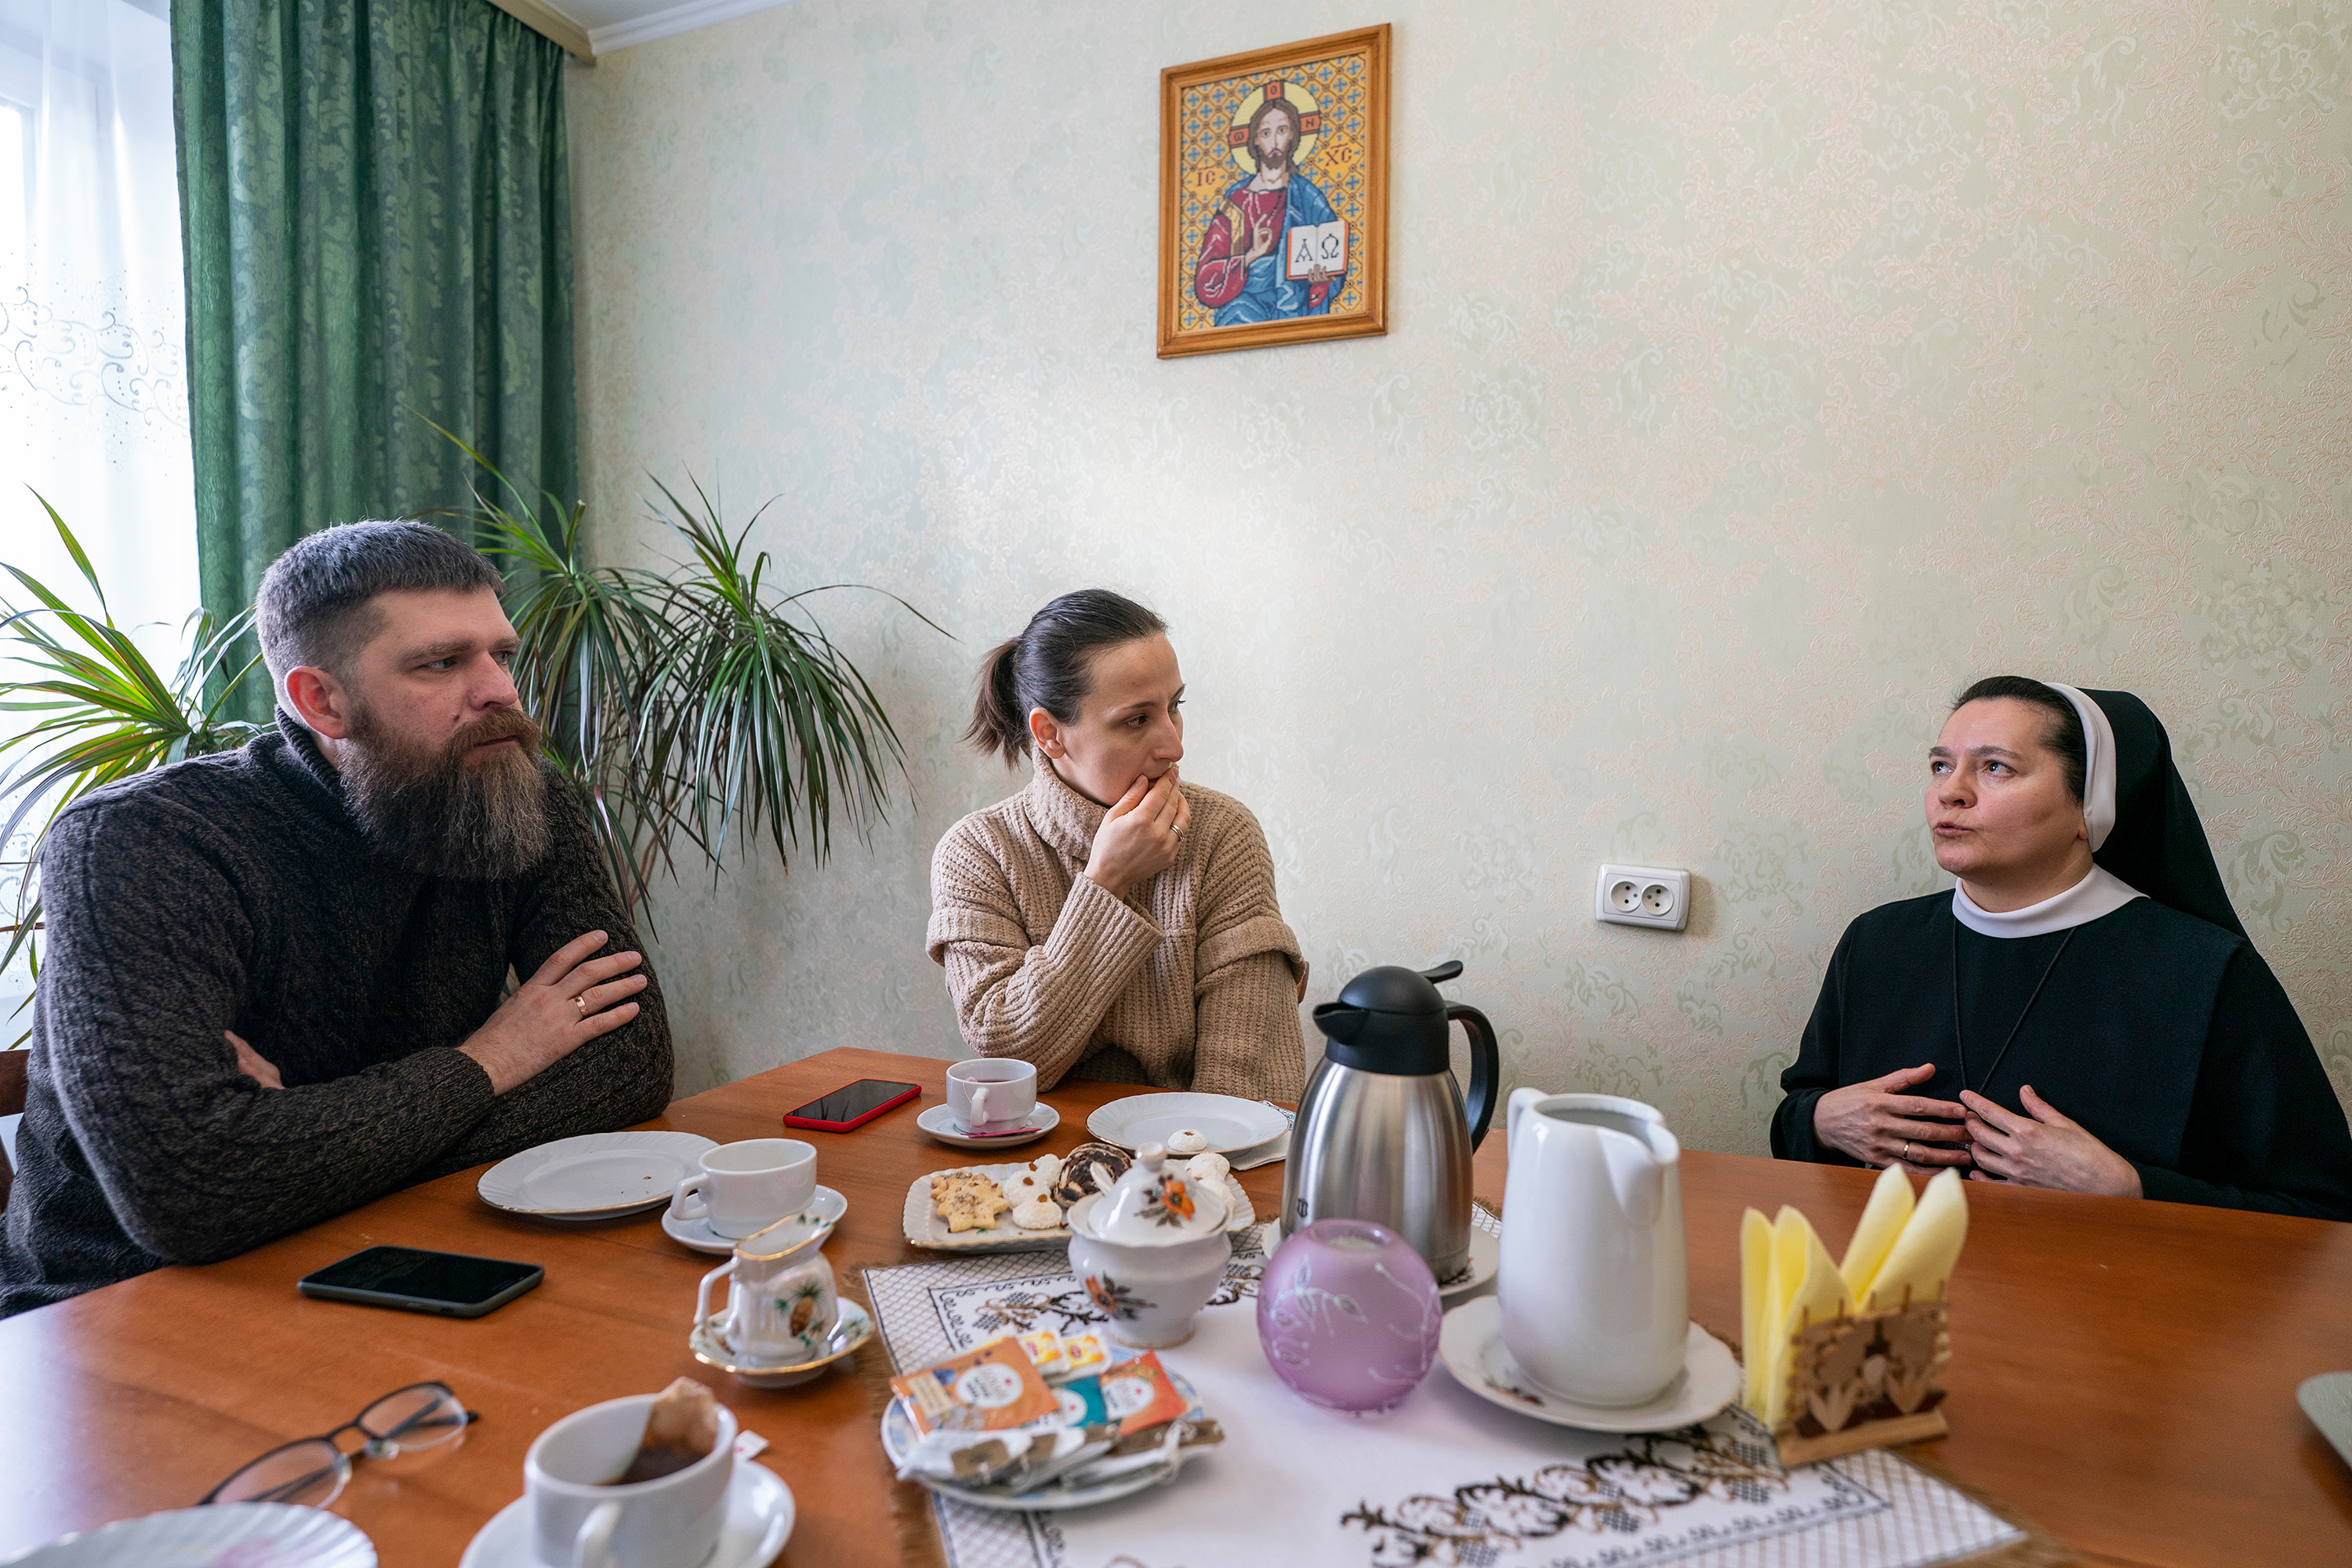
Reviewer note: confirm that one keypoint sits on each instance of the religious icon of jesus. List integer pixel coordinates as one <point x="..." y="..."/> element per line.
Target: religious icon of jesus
<point x="1244" y="272"/>
<point x="1274" y="196"/>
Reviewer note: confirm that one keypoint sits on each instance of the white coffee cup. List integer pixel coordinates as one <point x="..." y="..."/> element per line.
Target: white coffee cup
<point x="992" y="1094"/>
<point x="747" y="1186"/>
<point x="580" y="1519"/>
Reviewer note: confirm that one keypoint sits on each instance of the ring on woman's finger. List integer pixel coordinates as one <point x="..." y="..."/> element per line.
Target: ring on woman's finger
<point x="1907" y="1151"/>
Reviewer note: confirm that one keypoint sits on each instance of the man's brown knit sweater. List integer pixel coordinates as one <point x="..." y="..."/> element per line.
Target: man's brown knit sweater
<point x="1192" y="981"/>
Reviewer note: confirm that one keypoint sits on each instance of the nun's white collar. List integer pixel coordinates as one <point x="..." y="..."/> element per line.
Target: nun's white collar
<point x="2100" y="893"/>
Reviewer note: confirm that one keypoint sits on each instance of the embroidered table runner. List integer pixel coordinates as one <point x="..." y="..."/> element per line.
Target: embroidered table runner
<point x="1445" y="1477"/>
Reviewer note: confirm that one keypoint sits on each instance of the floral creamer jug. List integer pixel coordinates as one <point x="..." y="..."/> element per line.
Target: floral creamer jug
<point x="1593" y="1283"/>
<point x="781" y="1303"/>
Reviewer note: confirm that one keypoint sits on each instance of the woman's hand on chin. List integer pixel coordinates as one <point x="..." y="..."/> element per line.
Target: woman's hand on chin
<point x="1880" y="1125"/>
<point x="2042" y="1149"/>
<point x="1138" y="838"/>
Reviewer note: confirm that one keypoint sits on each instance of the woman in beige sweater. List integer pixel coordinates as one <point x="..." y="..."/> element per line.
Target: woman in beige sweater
<point x="1110" y="920"/>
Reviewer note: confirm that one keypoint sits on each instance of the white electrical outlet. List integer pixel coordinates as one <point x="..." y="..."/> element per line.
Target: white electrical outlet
<point x="1643" y="896"/>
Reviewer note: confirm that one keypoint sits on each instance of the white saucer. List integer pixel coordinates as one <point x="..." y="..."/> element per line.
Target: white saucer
<point x="759" y="1521"/>
<point x="598" y="1175"/>
<point x="1231" y="1123"/>
<point x="273" y="1532"/>
<point x="942" y="1125"/>
<point x="1471" y="1346"/>
<point x="851" y="1330"/>
<point x="1486" y="1256"/>
<point x="827" y="1205"/>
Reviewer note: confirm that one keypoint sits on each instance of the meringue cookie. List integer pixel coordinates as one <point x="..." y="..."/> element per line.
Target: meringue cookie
<point x="1040" y="1213"/>
<point x="1187" y="1141"/>
<point x="1207" y="1167"/>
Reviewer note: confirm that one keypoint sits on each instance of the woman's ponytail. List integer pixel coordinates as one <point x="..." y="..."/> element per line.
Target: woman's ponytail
<point x="999" y="723"/>
<point x="1050" y="666"/>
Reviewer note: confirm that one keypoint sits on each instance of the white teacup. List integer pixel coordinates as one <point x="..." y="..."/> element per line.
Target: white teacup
<point x="748" y="1187"/>
<point x="580" y="1519"/>
<point x="992" y="1094"/>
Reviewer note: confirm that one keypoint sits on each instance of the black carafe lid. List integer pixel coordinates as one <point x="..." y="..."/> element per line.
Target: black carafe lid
<point x="1390" y="1020"/>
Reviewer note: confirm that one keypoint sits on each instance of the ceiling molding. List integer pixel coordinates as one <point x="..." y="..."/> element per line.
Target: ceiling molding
<point x="677" y="18"/>
<point x="550" y="23"/>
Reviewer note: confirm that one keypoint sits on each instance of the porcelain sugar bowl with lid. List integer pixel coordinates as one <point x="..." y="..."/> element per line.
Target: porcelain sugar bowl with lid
<point x="1152" y="1250"/>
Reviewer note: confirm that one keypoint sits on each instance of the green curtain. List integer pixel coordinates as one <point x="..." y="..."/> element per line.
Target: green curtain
<point x="376" y="213"/>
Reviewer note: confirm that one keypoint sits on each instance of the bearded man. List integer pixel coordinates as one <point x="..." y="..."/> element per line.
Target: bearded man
<point x="1242" y="273"/>
<point x="273" y="985"/>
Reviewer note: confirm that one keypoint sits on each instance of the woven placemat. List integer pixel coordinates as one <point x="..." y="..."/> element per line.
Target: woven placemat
<point x="911" y="1519"/>
<point x="2040" y="1549"/>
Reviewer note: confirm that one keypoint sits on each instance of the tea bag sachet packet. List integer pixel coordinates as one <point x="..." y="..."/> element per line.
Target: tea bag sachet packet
<point x="992" y="1389"/>
<point x="681" y="1429"/>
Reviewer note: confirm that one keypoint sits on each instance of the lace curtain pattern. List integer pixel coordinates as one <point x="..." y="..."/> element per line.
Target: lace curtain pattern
<point x="93" y="393"/>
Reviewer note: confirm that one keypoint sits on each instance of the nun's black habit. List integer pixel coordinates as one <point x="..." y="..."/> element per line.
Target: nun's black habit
<point x="2150" y="1020"/>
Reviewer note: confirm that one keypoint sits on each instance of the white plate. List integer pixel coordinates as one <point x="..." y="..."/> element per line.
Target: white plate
<point x="279" y="1534"/>
<point x="827" y="1205"/>
<point x="2327" y="1400"/>
<point x="850" y="1330"/>
<point x="1272" y="1151"/>
<point x="1471" y="1346"/>
<point x="1486" y="1256"/>
<point x="898" y="1436"/>
<point x="924" y="1226"/>
<point x="1229" y="1122"/>
<point x="759" y="1521"/>
<point x="942" y="1125"/>
<point x="598" y="1175"/>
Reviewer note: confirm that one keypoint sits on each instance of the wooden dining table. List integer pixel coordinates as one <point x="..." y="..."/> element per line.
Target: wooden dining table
<point x="2123" y="1373"/>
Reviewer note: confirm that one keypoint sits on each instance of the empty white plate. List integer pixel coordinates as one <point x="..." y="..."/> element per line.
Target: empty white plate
<point x="1471" y="1345"/>
<point x="278" y="1533"/>
<point x="2327" y="1400"/>
<point x="598" y="1175"/>
<point x="1229" y="1122"/>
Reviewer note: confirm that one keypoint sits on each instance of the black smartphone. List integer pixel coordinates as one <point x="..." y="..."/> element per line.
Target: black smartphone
<point x="449" y="1283"/>
<point x="852" y="1105"/>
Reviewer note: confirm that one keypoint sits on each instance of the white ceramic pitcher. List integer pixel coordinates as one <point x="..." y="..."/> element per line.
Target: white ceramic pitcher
<point x="1593" y="1281"/>
<point x="780" y="1304"/>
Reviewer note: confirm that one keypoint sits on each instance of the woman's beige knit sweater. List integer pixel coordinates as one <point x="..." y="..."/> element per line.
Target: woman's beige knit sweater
<point x="1192" y="981"/>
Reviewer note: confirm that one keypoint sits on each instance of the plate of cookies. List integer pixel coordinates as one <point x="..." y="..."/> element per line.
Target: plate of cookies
<point x="1017" y="1207"/>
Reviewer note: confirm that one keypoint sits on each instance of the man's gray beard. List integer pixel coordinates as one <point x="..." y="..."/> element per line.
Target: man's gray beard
<point x="440" y="816"/>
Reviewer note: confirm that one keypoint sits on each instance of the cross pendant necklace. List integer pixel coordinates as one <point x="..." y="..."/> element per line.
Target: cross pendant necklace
<point x="1960" y="1041"/>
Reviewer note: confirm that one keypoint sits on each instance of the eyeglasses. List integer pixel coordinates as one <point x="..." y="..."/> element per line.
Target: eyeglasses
<point x="312" y="1470"/>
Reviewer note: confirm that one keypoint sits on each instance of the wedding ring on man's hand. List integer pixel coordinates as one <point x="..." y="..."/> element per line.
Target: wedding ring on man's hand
<point x="580" y="1001"/>
<point x="1906" y="1146"/>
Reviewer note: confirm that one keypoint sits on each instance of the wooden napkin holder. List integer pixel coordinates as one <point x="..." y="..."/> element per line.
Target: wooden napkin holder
<point x="1865" y="1382"/>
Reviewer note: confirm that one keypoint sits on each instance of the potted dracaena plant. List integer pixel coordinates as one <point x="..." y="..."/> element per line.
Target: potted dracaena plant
<point x="685" y="707"/>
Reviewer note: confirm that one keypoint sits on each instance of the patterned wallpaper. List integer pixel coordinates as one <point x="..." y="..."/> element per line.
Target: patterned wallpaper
<point x="1760" y="373"/>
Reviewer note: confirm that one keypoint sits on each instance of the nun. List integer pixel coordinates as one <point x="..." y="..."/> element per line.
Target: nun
<point x="2083" y="1011"/>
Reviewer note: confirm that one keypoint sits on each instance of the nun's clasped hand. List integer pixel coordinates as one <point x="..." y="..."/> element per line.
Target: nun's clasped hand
<point x="2043" y="1149"/>
<point x="1880" y="1125"/>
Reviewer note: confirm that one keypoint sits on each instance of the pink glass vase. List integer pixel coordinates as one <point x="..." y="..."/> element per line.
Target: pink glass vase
<point x="1348" y="1315"/>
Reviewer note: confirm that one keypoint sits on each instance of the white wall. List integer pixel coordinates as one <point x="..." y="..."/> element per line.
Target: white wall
<point x="1760" y="374"/>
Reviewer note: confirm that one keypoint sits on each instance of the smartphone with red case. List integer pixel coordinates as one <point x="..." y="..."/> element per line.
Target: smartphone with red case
<point x="852" y="1105"/>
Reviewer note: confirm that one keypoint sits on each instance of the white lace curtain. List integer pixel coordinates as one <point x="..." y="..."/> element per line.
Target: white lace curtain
<point x="93" y="396"/>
